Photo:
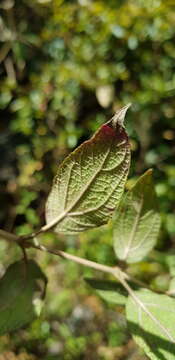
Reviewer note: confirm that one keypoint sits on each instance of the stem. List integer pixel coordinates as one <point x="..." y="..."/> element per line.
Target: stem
<point x="8" y="236"/>
<point x="92" y="264"/>
<point x="22" y="242"/>
<point x="115" y="271"/>
<point x="4" y="51"/>
<point x="24" y="254"/>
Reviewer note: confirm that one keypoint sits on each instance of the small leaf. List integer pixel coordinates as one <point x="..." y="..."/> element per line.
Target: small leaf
<point x="90" y="181"/>
<point x="137" y="221"/>
<point x="21" y="288"/>
<point x="153" y="330"/>
<point x="109" y="291"/>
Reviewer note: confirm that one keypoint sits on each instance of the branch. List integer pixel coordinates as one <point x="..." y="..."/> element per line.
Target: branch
<point x="4" y="51"/>
<point x="116" y="271"/>
<point x="121" y="276"/>
<point x="22" y="241"/>
<point x="8" y="236"/>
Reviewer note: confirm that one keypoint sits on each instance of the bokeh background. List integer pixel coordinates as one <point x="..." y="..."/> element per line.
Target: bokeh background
<point x="65" y="67"/>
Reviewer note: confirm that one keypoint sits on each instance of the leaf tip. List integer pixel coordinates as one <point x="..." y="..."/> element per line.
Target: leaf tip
<point x="148" y="176"/>
<point x="149" y="172"/>
<point x="119" y="117"/>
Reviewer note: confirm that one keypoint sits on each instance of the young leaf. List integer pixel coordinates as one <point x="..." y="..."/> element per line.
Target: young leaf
<point x="153" y="329"/>
<point x="137" y="221"/>
<point x="109" y="291"/>
<point x="90" y="181"/>
<point x="22" y="289"/>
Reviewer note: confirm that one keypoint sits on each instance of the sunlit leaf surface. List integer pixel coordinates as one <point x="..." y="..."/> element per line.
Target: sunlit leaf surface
<point x="109" y="291"/>
<point x="155" y="332"/>
<point x="137" y="221"/>
<point x="90" y="181"/>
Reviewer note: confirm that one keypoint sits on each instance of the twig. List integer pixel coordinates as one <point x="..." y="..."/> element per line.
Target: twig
<point x="8" y="63"/>
<point x="4" y="51"/>
<point x="24" y="254"/>
<point x="92" y="264"/>
<point x="8" y="236"/>
<point x="115" y="271"/>
<point x="22" y="241"/>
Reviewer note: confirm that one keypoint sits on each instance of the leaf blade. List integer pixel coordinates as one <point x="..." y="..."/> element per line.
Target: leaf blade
<point x="155" y="335"/>
<point x="90" y="181"/>
<point x="137" y="222"/>
<point x="109" y="291"/>
<point x="21" y="289"/>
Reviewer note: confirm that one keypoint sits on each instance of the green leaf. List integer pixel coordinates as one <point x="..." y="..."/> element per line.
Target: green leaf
<point x="171" y="290"/>
<point x="90" y="181"/>
<point x="22" y="289"/>
<point x="153" y="330"/>
<point x="137" y="221"/>
<point x="109" y="291"/>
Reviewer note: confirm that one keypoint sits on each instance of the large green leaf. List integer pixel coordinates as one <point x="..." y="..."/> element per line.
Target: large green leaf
<point x="21" y="291"/>
<point x="90" y="181"/>
<point x="154" y="328"/>
<point x="109" y="291"/>
<point x="137" y="221"/>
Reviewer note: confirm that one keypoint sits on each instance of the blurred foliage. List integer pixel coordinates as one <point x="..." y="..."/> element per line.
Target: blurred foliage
<point x="65" y="67"/>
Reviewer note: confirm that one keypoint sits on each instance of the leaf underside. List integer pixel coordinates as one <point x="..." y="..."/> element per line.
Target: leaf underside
<point x="157" y="338"/>
<point x="137" y="221"/>
<point x="22" y="286"/>
<point x="90" y="181"/>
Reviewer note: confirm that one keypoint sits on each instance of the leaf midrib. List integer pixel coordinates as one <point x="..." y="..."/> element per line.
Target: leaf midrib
<point x="99" y="206"/>
<point x="137" y="300"/>
<point x="146" y="234"/>
<point x="131" y="238"/>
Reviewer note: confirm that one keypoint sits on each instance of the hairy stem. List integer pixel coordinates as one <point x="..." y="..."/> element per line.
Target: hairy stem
<point x="121" y="276"/>
<point x="116" y="271"/>
<point x="22" y="241"/>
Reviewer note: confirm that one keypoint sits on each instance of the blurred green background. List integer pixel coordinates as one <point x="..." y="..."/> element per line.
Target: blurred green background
<point x="65" y="67"/>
